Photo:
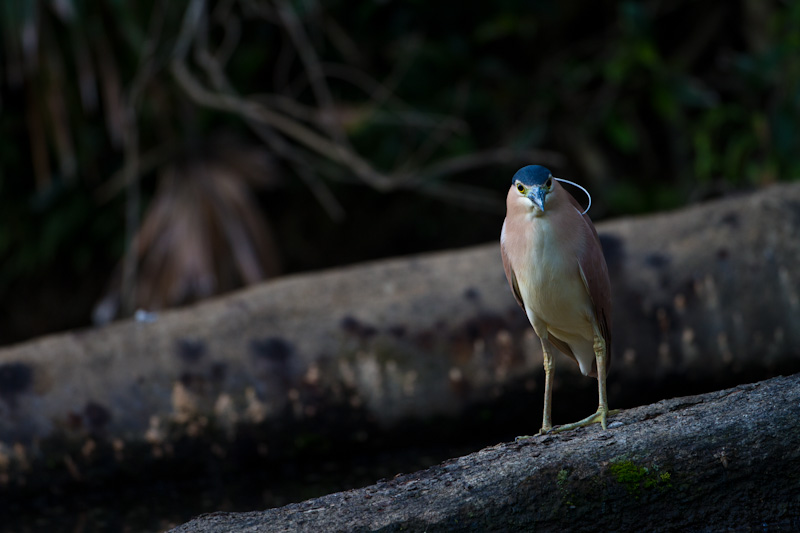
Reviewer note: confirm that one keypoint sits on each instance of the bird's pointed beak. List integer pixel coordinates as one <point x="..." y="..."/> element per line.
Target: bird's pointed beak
<point x="537" y="196"/>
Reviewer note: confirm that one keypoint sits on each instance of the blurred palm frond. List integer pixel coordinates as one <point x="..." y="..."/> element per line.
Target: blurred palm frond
<point x="202" y="234"/>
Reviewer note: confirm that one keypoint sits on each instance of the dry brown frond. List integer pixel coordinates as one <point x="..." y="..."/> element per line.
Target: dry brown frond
<point x="203" y="233"/>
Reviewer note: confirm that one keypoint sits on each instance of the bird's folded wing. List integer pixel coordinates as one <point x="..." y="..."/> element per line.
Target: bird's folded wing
<point x="512" y="279"/>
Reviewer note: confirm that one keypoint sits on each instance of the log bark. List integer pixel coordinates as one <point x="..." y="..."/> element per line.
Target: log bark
<point x="706" y="295"/>
<point x="727" y="460"/>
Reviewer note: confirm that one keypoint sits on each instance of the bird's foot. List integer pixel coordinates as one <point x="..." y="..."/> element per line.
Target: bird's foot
<point x="600" y="416"/>
<point x="544" y="431"/>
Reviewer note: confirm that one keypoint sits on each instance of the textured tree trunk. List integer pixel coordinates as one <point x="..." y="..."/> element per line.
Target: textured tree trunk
<point x="704" y="297"/>
<point x="726" y="460"/>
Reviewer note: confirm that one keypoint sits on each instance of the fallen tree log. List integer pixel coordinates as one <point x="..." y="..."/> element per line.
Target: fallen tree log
<point x="708" y="294"/>
<point x="726" y="460"/>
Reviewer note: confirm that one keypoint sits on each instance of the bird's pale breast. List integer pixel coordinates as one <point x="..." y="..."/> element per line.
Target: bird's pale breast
<point x="551" y="286"/>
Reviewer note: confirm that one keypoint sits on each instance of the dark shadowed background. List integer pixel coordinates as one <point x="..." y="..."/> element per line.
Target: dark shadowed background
<point x="157" y="153"/>
<point x="221" y="143"/>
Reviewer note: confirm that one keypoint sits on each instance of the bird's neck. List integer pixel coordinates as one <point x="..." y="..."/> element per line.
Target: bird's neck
<point x="553" y="240"/>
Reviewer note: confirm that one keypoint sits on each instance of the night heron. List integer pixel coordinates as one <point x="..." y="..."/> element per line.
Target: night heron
<point x="557" y="272"/>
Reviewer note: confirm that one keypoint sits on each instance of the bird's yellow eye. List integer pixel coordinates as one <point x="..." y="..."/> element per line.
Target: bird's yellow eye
<point x="521" y="188"/>
<point x="549" y="183"/>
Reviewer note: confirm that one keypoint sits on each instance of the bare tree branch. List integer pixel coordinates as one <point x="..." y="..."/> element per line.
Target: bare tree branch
<point x="131" y="168"/>
<point x="316" y="76"/>
<point x="278" y="145"/>
<point x="319" y="131"/>
<point x="233" y="30"/>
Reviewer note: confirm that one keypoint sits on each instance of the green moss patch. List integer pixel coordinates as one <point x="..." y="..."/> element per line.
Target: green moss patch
<point x="639" y="478"/>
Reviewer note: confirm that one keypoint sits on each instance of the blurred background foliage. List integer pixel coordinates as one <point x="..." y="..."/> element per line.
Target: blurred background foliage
<point x="155" y="153"/>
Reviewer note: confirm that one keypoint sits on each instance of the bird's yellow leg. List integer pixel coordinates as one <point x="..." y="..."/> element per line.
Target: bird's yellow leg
<point x="549" y="366"/>
<point x="600" y="358"/>
<point x="602" y="410"/>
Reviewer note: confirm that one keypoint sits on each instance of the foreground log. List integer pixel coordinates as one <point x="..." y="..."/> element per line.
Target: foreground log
<point x="727" y="460"/>
<point x="703" y="294"/>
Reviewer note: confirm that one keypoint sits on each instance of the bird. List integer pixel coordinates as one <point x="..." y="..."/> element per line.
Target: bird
<point x="555" y="267"/>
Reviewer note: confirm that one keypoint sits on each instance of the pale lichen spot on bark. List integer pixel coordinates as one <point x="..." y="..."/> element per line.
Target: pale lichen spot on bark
<point x="312" y="376"/>
<point x="155" y="434"/>
<point x="184" y="403"/>
<point x="225" y="413"/>
<point x="255" y="411"/>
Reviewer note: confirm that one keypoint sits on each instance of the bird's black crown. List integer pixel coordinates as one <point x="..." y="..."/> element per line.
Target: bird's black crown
<point x="531" y="175"/>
